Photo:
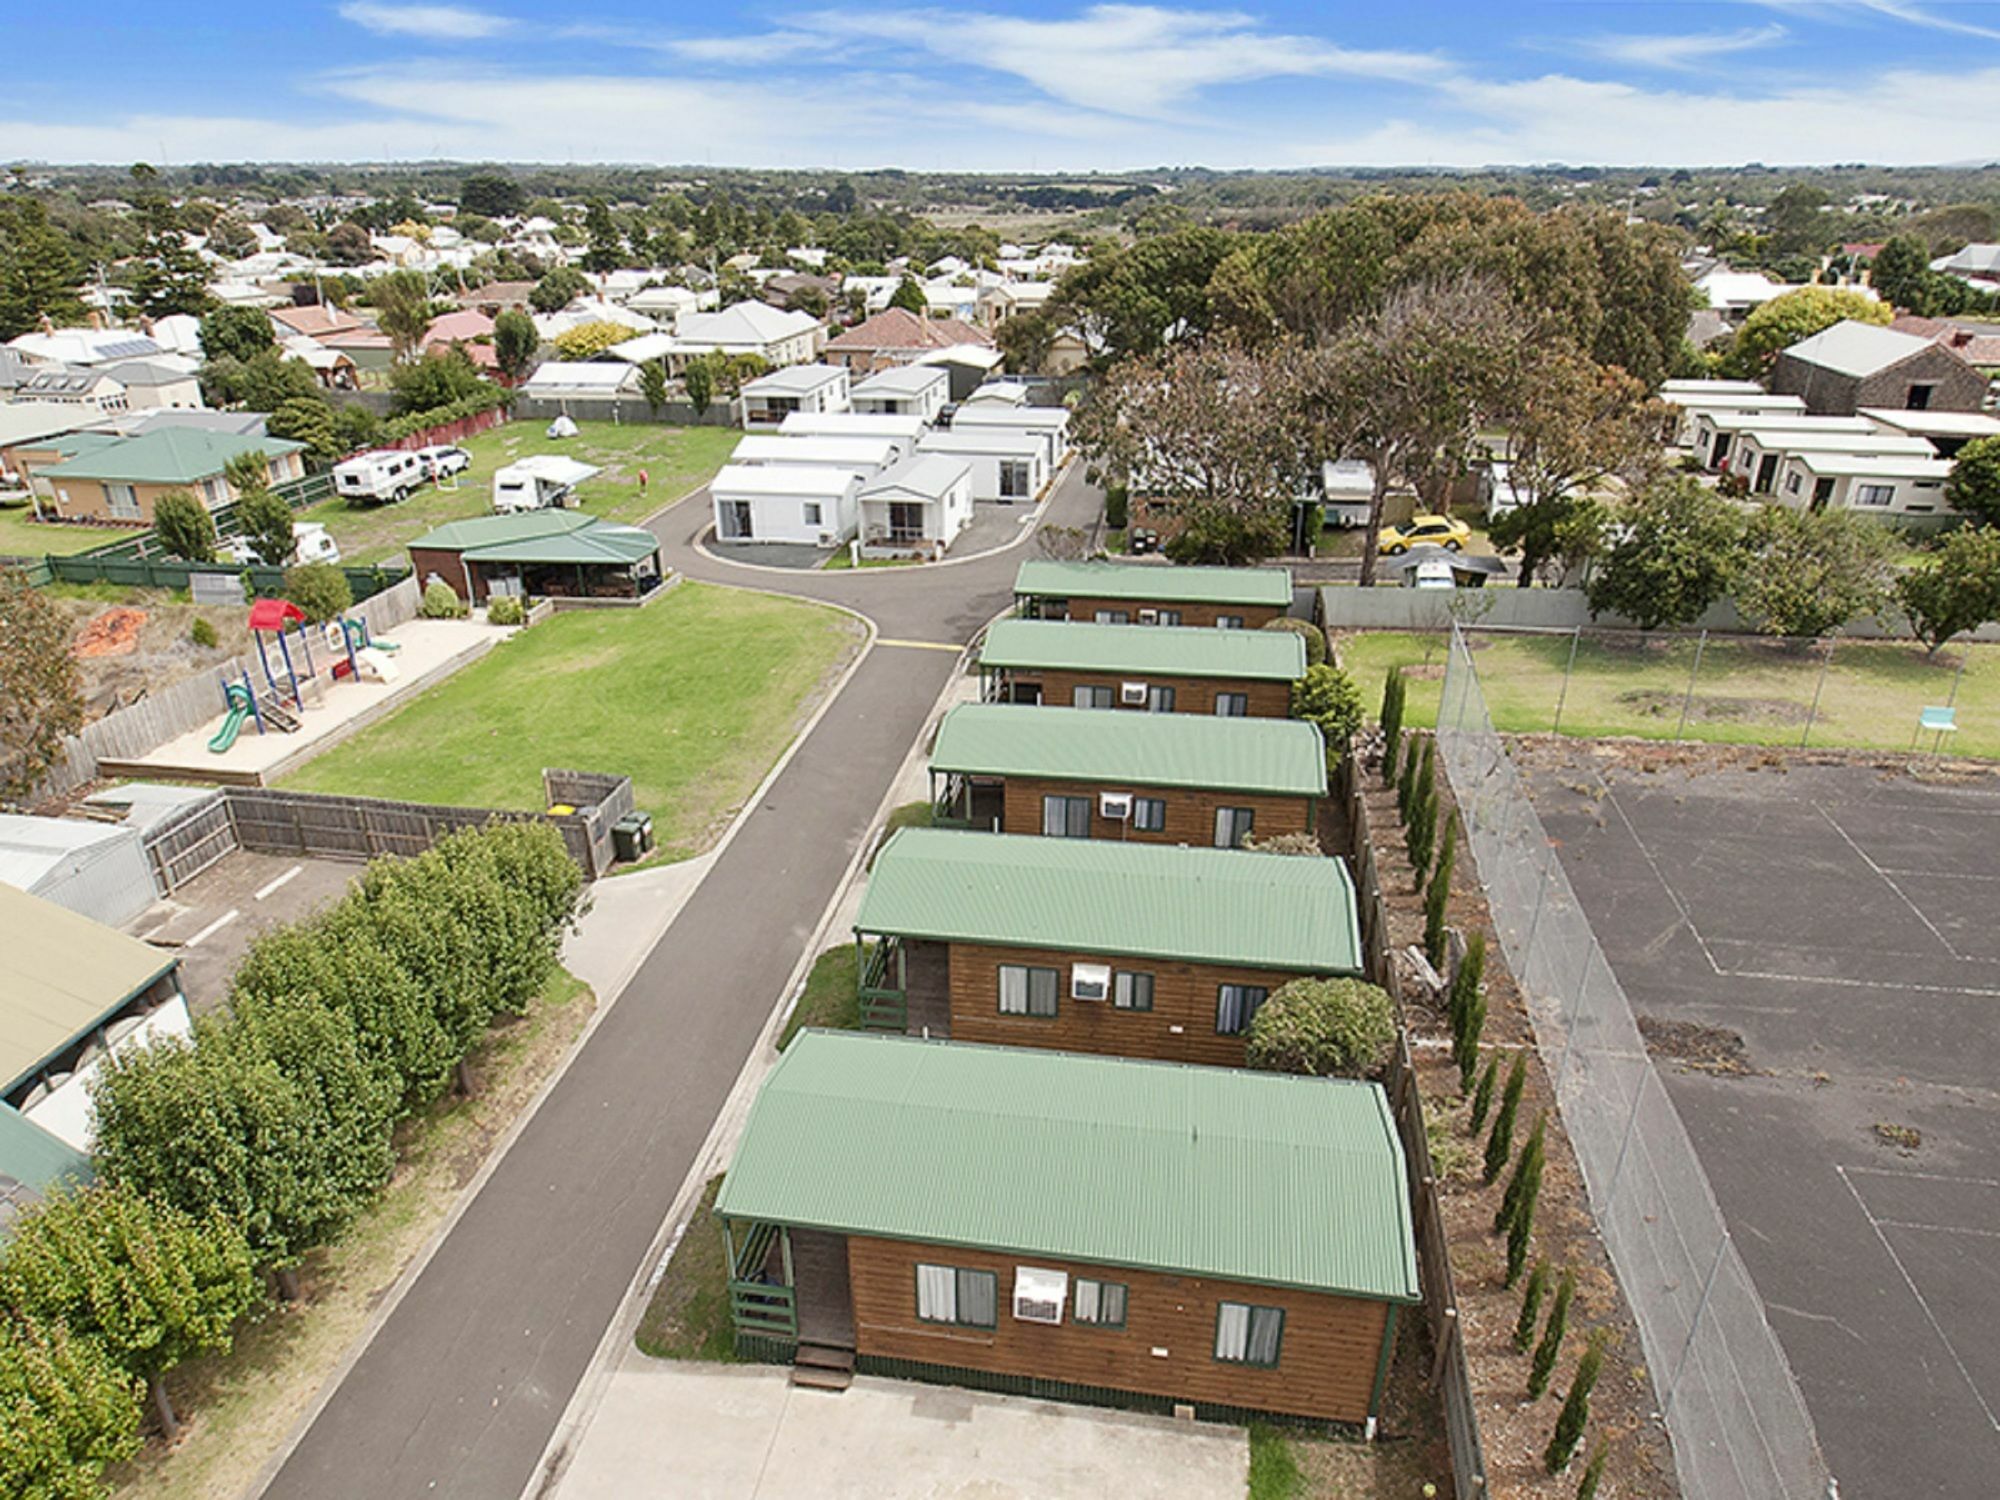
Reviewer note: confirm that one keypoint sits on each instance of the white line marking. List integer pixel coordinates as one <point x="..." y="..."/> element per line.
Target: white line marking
<point x="1990" y="1234"/>
<point x="1884" y="876"/>
<point x="1861" y="984"/>
<point x="212" y="928"/>
<point x="285" y="879"/>
<point x="1927" y="1176"/>
<point x="1909" y="1281"/>
<point x="1938" y="874"/>
<point x="1659" y="875"/>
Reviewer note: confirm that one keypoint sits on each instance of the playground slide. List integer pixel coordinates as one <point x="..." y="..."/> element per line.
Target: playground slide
<point x="374" y="666"/>
<point x="232" y="722"/>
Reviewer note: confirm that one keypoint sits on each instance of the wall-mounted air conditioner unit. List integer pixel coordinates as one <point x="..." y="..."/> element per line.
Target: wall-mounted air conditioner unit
<point x="1149" y="617"/>
<point x="1090" y="981"/>
<point x="1039" y="1295"/>
<point x="1132" y="692"/>
<point x="1116" y="806"/>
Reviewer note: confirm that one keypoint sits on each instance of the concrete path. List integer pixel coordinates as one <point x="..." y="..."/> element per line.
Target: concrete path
<point x="723" y="1432"/>
<point x="459" y="1391"/>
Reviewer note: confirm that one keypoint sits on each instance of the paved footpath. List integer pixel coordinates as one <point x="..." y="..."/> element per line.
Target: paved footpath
<point x="461" y="1388"/>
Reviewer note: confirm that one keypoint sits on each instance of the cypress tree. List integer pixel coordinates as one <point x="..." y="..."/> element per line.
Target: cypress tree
<point x="1438" y="897"/>
<point x="1500" y="1144"/>
<point x="1475" y="1023"/>
<point x="1552" y="1337"/>
<point x="1531" y="1307"/>
<point x="1575" y="1413"/>
<point x="1394" y="691"/>
<point x="1482" y="1097"/>
<point x="1526" y="1180"/>
<point x="1467" y="1009"/>
<point x="1593" y="1474"/>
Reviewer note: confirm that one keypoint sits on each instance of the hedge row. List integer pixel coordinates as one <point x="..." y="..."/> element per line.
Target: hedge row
<point x="398" y="428"/>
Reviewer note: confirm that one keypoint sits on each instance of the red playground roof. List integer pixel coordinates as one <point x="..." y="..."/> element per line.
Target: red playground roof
<point x="275" y="614"/>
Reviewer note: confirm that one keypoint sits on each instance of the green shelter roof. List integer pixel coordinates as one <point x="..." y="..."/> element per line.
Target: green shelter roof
<point x="1219" y="906"/>
<point x="1222" y="1172"/>
<point x="31" y="1162"/>
<point x="60" y="974"/>
<point x="1155" y="650"/>
<point x="604" y="542"/>
<point x="170" y="455"/>
<point x="1047" y="579"/>
<point x="496" y="531"/>
<point x="1278" y="756"/>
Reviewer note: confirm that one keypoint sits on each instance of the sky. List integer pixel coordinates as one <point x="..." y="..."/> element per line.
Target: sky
<point x="1004" y="85"/>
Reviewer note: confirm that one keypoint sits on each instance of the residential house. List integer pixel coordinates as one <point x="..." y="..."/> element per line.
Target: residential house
<point x="904" y="390"/>
<point x="589" y="380"/>
<point x="155" y="385"/>
<point x="1147" y="778"/>
<point x="1006" y="465"/>
<point x="968" y="365"/>
<point x="333" y="369"/>
<point x="1734" y="295"/>
<point x="496" y="297"/>
<point x="865" y="456"/>
<point x="1945" y="431"/>
<point x="26" y="430"/>
<point x="808" y="505"/>
<point x="1153" y="668"/>
<point x="778" y="338"/>
<point x="316" y="320"/>
<point x="75" y="385"/>
<point x="1109" y="593"/>
<point x="121" y="480"/>
<point x="84" y="346"/>
<point x="1977" y="340"/>
<point x="1049" y="423"/>
<point x="469" y="330"/>
<point x="769" y="399"/>
<point x="953" y="1213"/>
<point x="1851" y="365"/>
<point x="550" y="553"/>
<point x="666" y="305"/>
<point x="1894" y="487"/>
<point x="807" y="293"/>
<point x="902" y="431"/>
<point x="917" y="508"/>
<point x="953" y="298"/>
<point x="897" y="336"/>
<point x="1009" y="299"/>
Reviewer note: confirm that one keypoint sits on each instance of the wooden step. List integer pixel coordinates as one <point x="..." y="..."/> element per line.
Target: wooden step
<point x="824" y="1357"/>
<point x="814" y="1378"/>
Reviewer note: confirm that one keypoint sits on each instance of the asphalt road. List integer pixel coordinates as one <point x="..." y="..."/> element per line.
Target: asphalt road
<point x="458" y="1394"/>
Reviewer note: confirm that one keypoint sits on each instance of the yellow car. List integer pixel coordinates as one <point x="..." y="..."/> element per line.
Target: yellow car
<point x="1435" y="531"/>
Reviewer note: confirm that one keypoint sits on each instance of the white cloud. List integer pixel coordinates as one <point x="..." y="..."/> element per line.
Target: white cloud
<point x="1685" y="50"/>
<point x="1894" y="10"/>
<point x="456" y="23"/>
<point x="760" y="49"/>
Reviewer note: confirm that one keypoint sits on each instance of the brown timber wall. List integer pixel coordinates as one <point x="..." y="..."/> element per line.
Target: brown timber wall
<point x="1190" y="811"/>
<point x="1192" y="695"/>
<point x="1326" y="1360"/>
<point x="1253" y="616"/>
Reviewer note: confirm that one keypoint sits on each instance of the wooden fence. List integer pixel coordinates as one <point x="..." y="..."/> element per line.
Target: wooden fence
<point x="185" y="843"/>
<point x="1449" y="1371"/>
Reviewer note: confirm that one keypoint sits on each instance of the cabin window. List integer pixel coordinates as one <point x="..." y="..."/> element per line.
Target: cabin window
<point x="1100" y="1304"/>
<point x="1246" y="1334"/>
<point x="1090" y="697"/>
<point x="1235" y="1004"/>
<point x="1066" y="817"/>
<point x="1112" y="617"/>
<point x="1149" y="814"/>
<point x="1874" y="494"/>
<point x="1233" y="825"/>
<point x="812" y="512"/>
<point x="1792" y="484"/>
<point x="1028" y="992"/>
<point x="1169" y="617"/>
<point x="1159" y="700"/>
<point x="1232" y="705"/>
<point x="1132" y="991"/>
<point x="1229" y="622"/>
<point x="951" y="1294"/>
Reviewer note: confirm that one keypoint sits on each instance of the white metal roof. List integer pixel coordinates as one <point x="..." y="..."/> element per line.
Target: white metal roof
<point x="561" y="375"/>
<point x="925" y="475"/>
<point x="33" y="848"/>
<point x="1874" y="465"/>
<point x="1703" y="402"/>
<point x="853" y="424"/>
<point x="976" y="355"/>
<point x="554" y="467"/>
<point x="743" y="323"/>
<point x="1789" y="440"/>
<point x="795" y="380"/>
<point x="1011" y="442"/>
<point x="647" y="346"/>
<point x="795" y="448"/>
<point x="1851" y="348"/>
<point x="1695" y="387"/>
<point x="991" y="414"/>
<point x="1966" y="424"/>
<point x="812" y="482"/>
<point x="1781" y="421"/>
<point x="902" y="380"/>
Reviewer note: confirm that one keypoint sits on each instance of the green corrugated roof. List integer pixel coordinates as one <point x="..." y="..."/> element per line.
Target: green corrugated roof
<point x="1079" y="744"/>
<point x="1221" y="1172"/>
<point x="495" y="531"/>
<point x="171" y="455"/>
<point x="604" y="542"/>
<point x="33" y="1158"/>
<point x="1156" y="650"/>
<point x="1048" y="579"/>
<point x="60" y="974"/>
<point x="1221" y="906"/>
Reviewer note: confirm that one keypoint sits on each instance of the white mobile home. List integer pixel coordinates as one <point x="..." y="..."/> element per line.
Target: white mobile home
<point x="918" y="507"/>
<point x="1760" y="452"/>
<point x="1000" y="393"/>
<point x="1007" y="464"/>
<point x="1892" y="486"/>
<point x="1688" y="405"/>
<point x="904" y="391"/>
<point x="769" y="399"/>
<point x="1715" y="431"/>
<point x="866" y="456"/>
<point x="801" y="504"/>
<point x="1946" y="431"/>
<point x="1049" y="423"/>
<point x="902" y="431"/>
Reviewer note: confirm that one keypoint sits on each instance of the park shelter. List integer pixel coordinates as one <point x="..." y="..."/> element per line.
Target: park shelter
<point x="1091" y="945"/>
<point x="552" y="553"/>
<point x="1099" y="1229"/>
<point x="1111" y="593"/>
<point x="1156" y="668"/>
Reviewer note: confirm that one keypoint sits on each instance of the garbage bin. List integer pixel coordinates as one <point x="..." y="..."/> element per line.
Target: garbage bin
<point x="632" y="836"/>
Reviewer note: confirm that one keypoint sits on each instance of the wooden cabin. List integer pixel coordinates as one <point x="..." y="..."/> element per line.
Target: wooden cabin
<point x="1151" y="668"/>
<point x="1108" y="593"/>
<point x="1131" y="1233"/>
<point x="1147" y="778"/>
<point x="1085" y="945"/>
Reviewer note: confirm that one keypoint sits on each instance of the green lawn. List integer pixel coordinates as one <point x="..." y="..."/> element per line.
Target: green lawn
<point x="831" y="997"/>
<point x="677" y="460"/>
<point x="23" y="536"/>
<point x="694" y="697"/>
<point x="688" y="1317"/>
<point x="1749" y="692"/>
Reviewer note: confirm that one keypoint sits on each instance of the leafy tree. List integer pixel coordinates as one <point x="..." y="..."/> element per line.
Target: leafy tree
<point x="320" y="589"/>
<point x="1327" y="696"/>
<point x="1955" y="589"/>
<point x="1305" y="630"/>
<point x="1593" y="1472"/>
<point x="1808" y="573"/>
<point x="230" y="236"/>
<point x="154" y="1285"/>
<point x="1544" y="1363"/>
<point x="1531" y="1307"/>
<point x="514" y="343"/>
<point x="1322" y="1027"/>
<point x="1680" y="552"/>
<point x="909" y="296"/>
<point x="1796" y="220"/>
<point x="263" y="382"/>
<point x="1575" y="1413"/>
<point x="606" y="251"/>
<point x="493" y="195"/>
<point x="264" y="520"/>
<point x="443" y="377"/>
<point x="1135" y="300"/>
<point x="698" y="380"/>
<point x="1901" y="273"/>
<point x="310" y="420"/>
<point x="353" y="427"/>
<point x="1974" y="485"/>
<point x="1783" y="321"/>
<point x="239" y="333"/>
<point x="39" y="269"/>
<point x="557" y="290"/>
<point x="588" y="339"/>
<point x="1027" y="339"/>
<point x="403" y="310"/>
<point x="1500" y="1144"/>
<point x="184" y="526"/>
<point x="653" y="385"/>
<point x="66" y="1412"/>
<point x="41" y="698"/>
<point x="348" y="244"/>
<point x="172" y="277"/>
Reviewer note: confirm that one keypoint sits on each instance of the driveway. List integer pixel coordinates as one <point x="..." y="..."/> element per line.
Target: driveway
<point x="732" y="1432"/>
<point x="212" y="919"/>
<point x="460" y="1390"/>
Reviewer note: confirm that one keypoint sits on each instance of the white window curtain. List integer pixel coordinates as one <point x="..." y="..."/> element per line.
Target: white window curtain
<point x="1086" y="1300"/>
<point x="978" y="1294"/>
<point x="1235" y="1004"/>
<point x="937" y="1299"/>
<point x="1066" y="817"/>
<point x="1232" y="1331"/>
<point x="1132" y="991"/>
<point x="1233" y="825"/>
<point x="1232" y="705"/>
<point x="1100" y="1302"/>
<point x="1160" y="700"/>
<point x="1013" y="990"/>
<point x="1149" y="814"/>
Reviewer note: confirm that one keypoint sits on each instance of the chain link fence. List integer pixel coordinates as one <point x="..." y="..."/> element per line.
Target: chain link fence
<point x="1740" y="1428"/>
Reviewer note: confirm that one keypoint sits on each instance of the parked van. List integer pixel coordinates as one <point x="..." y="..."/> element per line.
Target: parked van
<point x="538" y="482"/>
<point x="382" y="475"/>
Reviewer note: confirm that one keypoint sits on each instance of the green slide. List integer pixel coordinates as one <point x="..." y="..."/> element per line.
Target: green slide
<point x="232" y="723"/>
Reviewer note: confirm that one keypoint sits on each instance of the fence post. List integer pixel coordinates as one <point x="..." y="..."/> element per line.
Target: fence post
<point x="1694" y="675"/>
<point x="1445" y="1335"/>
<point x="1562" y="695"/>
<point x="1624" y="1145"/>
<point x="1571" y="1019"/>
<point x="1818" y="688"/>
<point x="1694" y="1326"/>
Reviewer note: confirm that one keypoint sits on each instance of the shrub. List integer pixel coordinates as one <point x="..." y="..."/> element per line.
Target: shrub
<point x="1544" y="1363"/>
<point x="320" y="589"/>
<point x="1531" y="1307"/>
<point x="1437" y="898"/>
<point x="1500" y="1144"/>
<point x="1117" y="507"/>
<point x="1475" y="1023"/>
<point x="1482" y="1096"/>
<point x="1327" y="696"/>
<point x="202" y="633"/>
<point x="264" y="520"/>
<point x="1593" y="1473"/>
<point x="1315" y="639"/>
<point x="1322" y="1027"/>
<point x="1395" y="694"/>
<point x="1406" y="778"/>
<point x="505" y="609"/>
<point x="441" y="602"/>
<point x="1575" y="1413"/>
<point x="184" y="526"/>
<point x="69" y="1410"/>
